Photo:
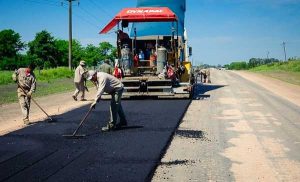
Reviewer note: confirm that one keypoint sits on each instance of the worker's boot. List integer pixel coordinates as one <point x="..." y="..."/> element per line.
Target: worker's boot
<point x="26" y="121"/>
<point x="109" y="127"/>
<point x="74" y="97"/>
<point x="121" y="124"/>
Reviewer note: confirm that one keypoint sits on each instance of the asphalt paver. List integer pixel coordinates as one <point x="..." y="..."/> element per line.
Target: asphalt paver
<point x="39" y="152"/>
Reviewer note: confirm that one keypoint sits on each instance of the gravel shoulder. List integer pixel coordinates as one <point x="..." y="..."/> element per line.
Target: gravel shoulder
<point x="283" y="89"/>
<point x="242" y="127"/>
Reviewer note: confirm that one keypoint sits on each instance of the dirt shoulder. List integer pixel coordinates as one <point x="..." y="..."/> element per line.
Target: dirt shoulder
<point x="283" y="89"/>
<point x="56" y="104"/>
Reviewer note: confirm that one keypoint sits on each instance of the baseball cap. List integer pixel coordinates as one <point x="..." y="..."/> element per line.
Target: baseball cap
<point x="90" y="74"/>
<point x="82" y="63"/>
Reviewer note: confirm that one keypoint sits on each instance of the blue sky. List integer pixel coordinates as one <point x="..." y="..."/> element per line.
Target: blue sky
<point x="220" y="31"/>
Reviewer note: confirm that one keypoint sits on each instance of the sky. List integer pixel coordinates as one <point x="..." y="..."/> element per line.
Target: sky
<point x="219" y="31"/>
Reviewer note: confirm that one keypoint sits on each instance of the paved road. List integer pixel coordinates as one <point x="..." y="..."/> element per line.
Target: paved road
<point x="236" y="131"/>
<point x="40" y="153"/>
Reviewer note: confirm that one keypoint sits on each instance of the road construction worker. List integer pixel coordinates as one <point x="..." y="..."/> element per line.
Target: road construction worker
<point x="206" y="75"/>
<point x="118" y="72"/>
<point x="106" y="67"/>
<point x="79" y="81"/>
<point x="26" y="81"/>
<point x="111" y="85"/>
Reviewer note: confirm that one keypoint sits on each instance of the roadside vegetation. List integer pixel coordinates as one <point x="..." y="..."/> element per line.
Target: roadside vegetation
<point x="45" y="75"/>
<point x="50" y="81"/>
<point x="288" y="71"/>
<point x="46" y="51"/>
<point x="50" y="55"/>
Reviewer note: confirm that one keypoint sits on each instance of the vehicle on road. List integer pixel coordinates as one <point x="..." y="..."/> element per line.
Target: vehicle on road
<point x="154" y="55"/>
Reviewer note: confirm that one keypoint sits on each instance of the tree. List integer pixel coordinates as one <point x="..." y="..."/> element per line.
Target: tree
<point x="62" y="51"/>
<point x="253" y="62"/>
<point x="242" y="65"/>
<point x="105" y="49"/>
<point x="43" y="48"/>
<point x="77" y="53"/>
<point x="10" y="43"/>
<point x="92" y="56"/>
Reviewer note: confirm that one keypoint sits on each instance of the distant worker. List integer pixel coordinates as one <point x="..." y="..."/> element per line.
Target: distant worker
<point x="106" y="67"/>
<point x="79" y="81"/>
<point x="123" y="37"/>
<point x="136" y="60"/>
<point x="118" y="72"/>
<point x="111" y="85"/>
<point x="153" y="58"/>
<point x="26" y="81"/>
<point x="126" y="59"/>
<point x="141" y="55"/>
<point x="205" y="73"/>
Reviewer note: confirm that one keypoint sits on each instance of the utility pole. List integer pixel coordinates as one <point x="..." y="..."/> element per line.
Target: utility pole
<point x="268" y="54"/>
<point x="283" y="44"/>
<point x="70" y="33"/>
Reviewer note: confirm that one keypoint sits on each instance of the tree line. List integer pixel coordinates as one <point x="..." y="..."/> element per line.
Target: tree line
<point x="47" y="51"/>
<point x="252" y="63"/>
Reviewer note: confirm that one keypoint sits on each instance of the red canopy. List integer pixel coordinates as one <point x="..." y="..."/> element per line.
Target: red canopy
<point x="145" y="14"/>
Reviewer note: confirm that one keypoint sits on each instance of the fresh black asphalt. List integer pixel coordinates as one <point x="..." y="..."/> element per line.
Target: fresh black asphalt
<point x="40" y="153"/>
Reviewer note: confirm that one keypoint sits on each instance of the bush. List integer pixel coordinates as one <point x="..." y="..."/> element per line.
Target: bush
<point x="13" y="63"/>
<point x="5" y="77"/>
<point x="242" y="65"/>
<point x="51" y="74"/>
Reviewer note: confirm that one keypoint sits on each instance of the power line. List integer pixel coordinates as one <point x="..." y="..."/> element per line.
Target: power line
<point x="83" y="19"/>
<point x="102" y="9"/>
<point x="87" y="12"/>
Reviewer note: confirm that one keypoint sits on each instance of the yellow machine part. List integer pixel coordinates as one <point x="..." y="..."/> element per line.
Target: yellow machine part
<point x="186" y="76"/>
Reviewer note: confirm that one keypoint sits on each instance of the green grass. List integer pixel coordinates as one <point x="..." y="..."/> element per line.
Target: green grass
<point x="284" y="71"/>
<point x="290" y="66"/>
<point x="49" y="81"/>
<point x="9" y="93"/>
<point x="5" y="77"/>
<point x="41" y="75"/>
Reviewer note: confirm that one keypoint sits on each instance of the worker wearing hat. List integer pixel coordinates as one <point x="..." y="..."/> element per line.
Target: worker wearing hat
<point x="26" y="81"/>
<point x="79" y="81"/>
<point x="106" y="67"/>
<point x="111" y="85"/>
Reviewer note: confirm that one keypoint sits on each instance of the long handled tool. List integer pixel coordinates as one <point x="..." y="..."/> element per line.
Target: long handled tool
<point x="51" y="119"/>
<point x="79" y="126"/>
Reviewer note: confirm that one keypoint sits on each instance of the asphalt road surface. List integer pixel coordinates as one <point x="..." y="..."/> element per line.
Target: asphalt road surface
<point x="233" y="130"/>
<point x="40" y="153"/>
<point x="236" y="131"/>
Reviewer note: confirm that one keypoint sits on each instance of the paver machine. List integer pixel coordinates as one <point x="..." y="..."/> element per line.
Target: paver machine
<point x="153" y="53"/>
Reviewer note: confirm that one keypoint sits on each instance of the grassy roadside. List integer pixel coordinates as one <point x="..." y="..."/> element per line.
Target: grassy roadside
<point x="284" y="71"/>
<point x="41" y="75"/>
<point x="9" y="94"/>
<point x="49" y="82"/>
